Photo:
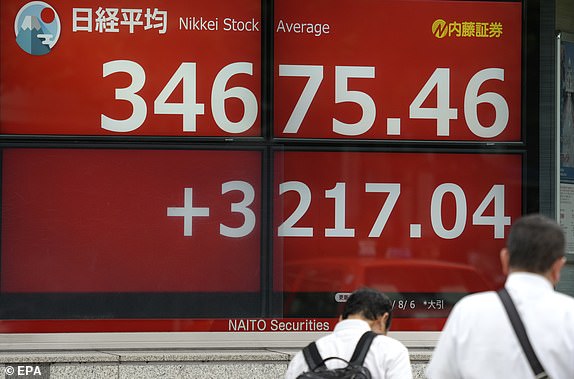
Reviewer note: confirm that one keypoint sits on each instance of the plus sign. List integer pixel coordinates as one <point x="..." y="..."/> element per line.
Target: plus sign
<point x="187" y="212"/>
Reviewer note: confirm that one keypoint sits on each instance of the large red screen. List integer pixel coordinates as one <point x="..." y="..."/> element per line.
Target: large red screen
<point x="154" y="68"/>
<point x="398" y="70"/>
<point x="380" y="144"/>
<point x="402" y="222"/>
<point x="130" y="221"/>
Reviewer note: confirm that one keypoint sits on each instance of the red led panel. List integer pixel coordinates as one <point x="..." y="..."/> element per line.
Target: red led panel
<point x="148" y="68"/>
<point x="398" y="70"/>
<point x="130" y="221"/>
<point x="401" y="222"/>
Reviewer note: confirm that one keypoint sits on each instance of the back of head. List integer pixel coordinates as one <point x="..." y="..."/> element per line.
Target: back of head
<point x="535" y="242"/>
<point x="368" y="303"/>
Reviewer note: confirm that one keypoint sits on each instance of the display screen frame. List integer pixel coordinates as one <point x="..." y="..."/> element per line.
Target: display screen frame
<point x="115" y="96"/>
<point x="527" y="148"/>
<point x="35" y="312"/>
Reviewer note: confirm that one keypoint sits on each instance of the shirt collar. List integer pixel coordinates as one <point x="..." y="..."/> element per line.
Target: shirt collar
<point x="348" y="324"/>
<point x="528" y="280"/>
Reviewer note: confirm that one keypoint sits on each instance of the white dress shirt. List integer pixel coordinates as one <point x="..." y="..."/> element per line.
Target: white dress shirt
<point x="478" y="340"/>
<point x="387" y="358"/>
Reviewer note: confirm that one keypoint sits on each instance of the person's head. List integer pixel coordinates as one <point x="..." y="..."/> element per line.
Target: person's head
<point x="372" y="306"/>
<point x="535" y="244"/>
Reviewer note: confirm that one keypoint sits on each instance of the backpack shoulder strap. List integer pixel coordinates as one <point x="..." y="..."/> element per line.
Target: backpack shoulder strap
<point x="313" y="357"/>
<point x="521" y="333"/>
<point x="362" y="348"/>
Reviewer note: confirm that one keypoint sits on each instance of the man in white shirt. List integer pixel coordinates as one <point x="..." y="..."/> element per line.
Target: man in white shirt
<point x="366" y="309"/>
<point x="478" y="340"/>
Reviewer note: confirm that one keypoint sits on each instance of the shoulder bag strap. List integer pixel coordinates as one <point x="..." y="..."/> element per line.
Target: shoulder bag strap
<point x="362" y="348"/>
<point x="313" y="357"/>
<point x="521" y="334"/>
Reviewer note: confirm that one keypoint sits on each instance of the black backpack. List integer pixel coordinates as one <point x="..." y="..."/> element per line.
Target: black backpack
<point x="354" y="369"/>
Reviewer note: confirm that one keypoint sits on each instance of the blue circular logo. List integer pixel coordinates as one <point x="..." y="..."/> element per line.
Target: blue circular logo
<point x="37" y="28"/>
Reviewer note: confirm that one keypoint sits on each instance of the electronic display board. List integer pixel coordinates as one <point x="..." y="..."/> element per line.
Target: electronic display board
<point x="111" y="220"/>
<point x="411" y="224"/>
<point x="146" y="68"/>
<point x="79" y="222"/>
<point x="398" y="70"/>
<point x="390" y="152"/>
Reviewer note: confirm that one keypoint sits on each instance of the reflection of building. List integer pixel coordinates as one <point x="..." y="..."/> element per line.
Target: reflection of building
<point x="567" y="121"/>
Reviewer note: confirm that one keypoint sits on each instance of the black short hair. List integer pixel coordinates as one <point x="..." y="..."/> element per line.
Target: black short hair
<point x="369" y="303"/>
<point x="535" y="242"/>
